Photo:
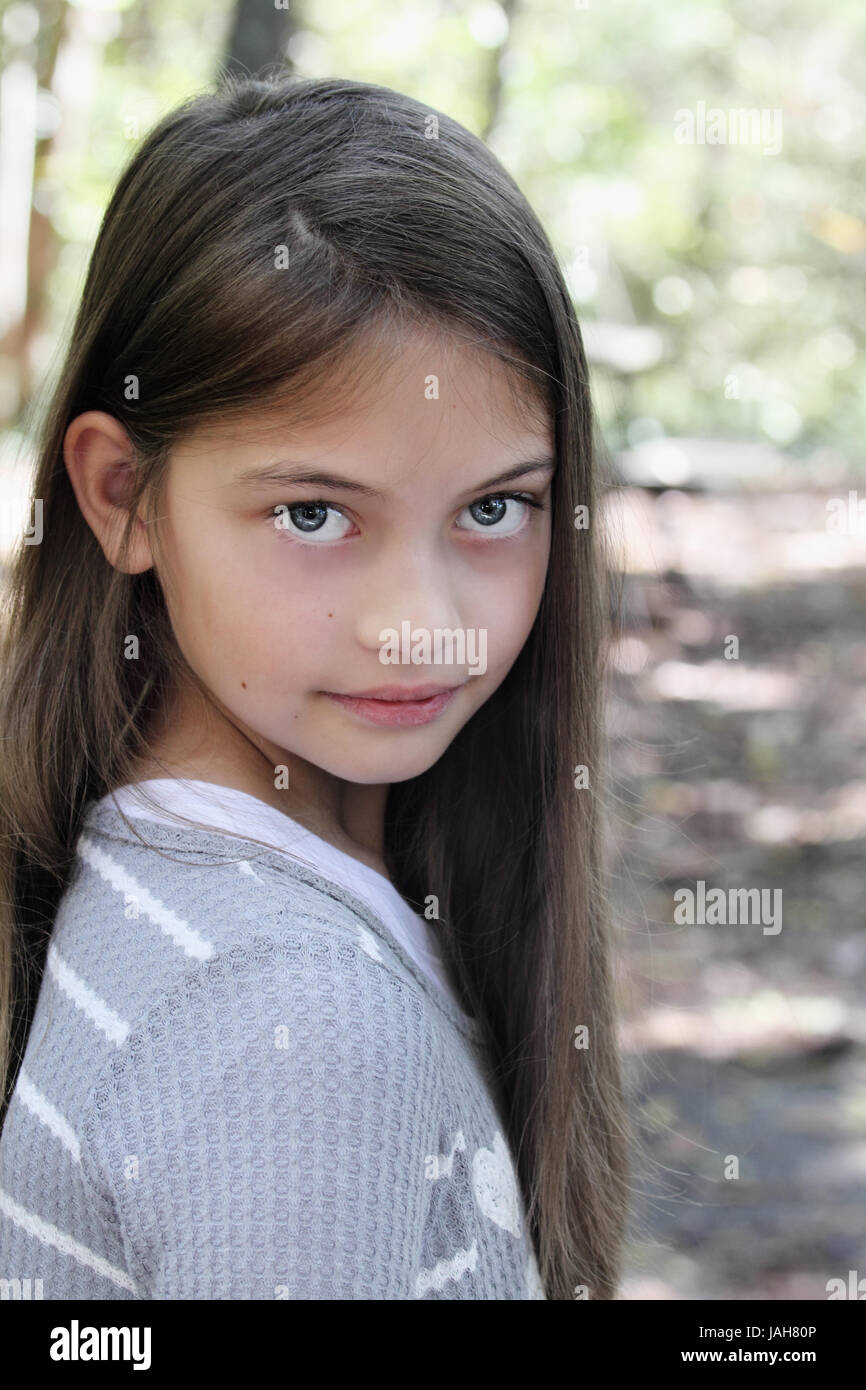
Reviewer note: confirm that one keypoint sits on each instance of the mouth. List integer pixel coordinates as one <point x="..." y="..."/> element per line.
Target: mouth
<point x="397" y="706"/>
<point x="398" y="693"/>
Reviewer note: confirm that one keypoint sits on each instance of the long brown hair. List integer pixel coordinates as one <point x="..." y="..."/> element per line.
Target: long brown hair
<point x="391" y="214"/>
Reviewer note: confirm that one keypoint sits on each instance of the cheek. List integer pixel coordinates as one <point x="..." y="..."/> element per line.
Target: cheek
<point x="534" y="580"/>
<point x="247" y="616"/>
<point x="514" y="587"/>
<point x="215" y="600"/>
<point x="507" y="609"/>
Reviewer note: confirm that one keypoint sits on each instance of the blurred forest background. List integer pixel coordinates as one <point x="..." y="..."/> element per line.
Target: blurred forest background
<point x="720" y="287"/>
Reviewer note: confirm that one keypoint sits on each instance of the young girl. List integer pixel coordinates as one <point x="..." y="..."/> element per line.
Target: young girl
<point x="305" y="956"/>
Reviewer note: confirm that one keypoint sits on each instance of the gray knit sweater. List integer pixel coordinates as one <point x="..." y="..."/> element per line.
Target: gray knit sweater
<point x="238" y="1085"/>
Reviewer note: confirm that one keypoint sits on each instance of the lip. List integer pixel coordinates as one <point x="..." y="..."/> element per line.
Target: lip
<point x="398" y="706"/>
<point x="398" y="692"/>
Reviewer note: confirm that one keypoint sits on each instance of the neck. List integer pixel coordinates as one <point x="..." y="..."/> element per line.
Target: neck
<point x="348" y="815"/>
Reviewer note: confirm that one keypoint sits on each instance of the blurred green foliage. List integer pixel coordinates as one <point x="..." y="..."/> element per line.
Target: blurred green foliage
<point x="745" y="266"/>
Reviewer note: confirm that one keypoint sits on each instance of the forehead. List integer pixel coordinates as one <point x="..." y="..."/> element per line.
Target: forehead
<point x="407" y="385"/>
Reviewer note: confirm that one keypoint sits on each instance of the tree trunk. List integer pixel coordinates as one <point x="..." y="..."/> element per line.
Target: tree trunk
<point x="258" y="37"/>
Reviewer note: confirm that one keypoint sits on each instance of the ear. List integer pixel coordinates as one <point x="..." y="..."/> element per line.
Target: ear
<point x="100" y="461"/>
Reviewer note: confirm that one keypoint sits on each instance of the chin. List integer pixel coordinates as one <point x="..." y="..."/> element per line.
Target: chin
<point x="380" y="768"/>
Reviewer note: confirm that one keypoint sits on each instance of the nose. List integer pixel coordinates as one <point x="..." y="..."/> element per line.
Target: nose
<point x="410" y="593"/>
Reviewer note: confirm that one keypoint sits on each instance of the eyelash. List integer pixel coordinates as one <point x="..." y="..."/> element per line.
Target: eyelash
<point x="526" y="497"/>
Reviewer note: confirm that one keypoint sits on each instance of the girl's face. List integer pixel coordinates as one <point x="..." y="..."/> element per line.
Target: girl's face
<point x="282" y="592"/>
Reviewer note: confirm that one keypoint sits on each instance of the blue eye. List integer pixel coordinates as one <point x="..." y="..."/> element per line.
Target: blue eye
<point x="490" y="511"/>
<point x="309" y="521"/>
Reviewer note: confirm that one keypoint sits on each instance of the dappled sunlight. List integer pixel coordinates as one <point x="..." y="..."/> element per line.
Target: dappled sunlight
<point x="839" y="814"/>
<point x="748" y="539"/>
<point x="766" y="1021"/>
<point x="732" y="685"/>
<point x="738" y="736"/>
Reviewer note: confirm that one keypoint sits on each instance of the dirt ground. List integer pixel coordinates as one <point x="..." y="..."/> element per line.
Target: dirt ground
<point x="742" y="764"/>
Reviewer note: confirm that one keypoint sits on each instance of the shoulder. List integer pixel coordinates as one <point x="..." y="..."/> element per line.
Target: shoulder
<point x="164" y="875"/>
<point x="238" y="990"/>
<point x="142" y="918"/>
<point x="198" y="951"/>
<point x="266" y="1121"/>
<point x="303" y="1007"/>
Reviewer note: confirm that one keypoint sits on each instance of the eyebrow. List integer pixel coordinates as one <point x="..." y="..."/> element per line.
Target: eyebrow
<point x="302" y="474"/>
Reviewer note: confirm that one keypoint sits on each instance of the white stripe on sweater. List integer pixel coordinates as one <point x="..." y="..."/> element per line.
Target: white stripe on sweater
<point x="83" y="996"/>
<point x="51" y="1235"/>
<point x="47" y="1113"/>
<point x="124" y="882"/>
<point x="443" y="1270"/>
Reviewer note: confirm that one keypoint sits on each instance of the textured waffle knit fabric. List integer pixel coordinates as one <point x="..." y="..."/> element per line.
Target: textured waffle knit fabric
<point x="239" y="1085"/>
<point x="225" y="809"/>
